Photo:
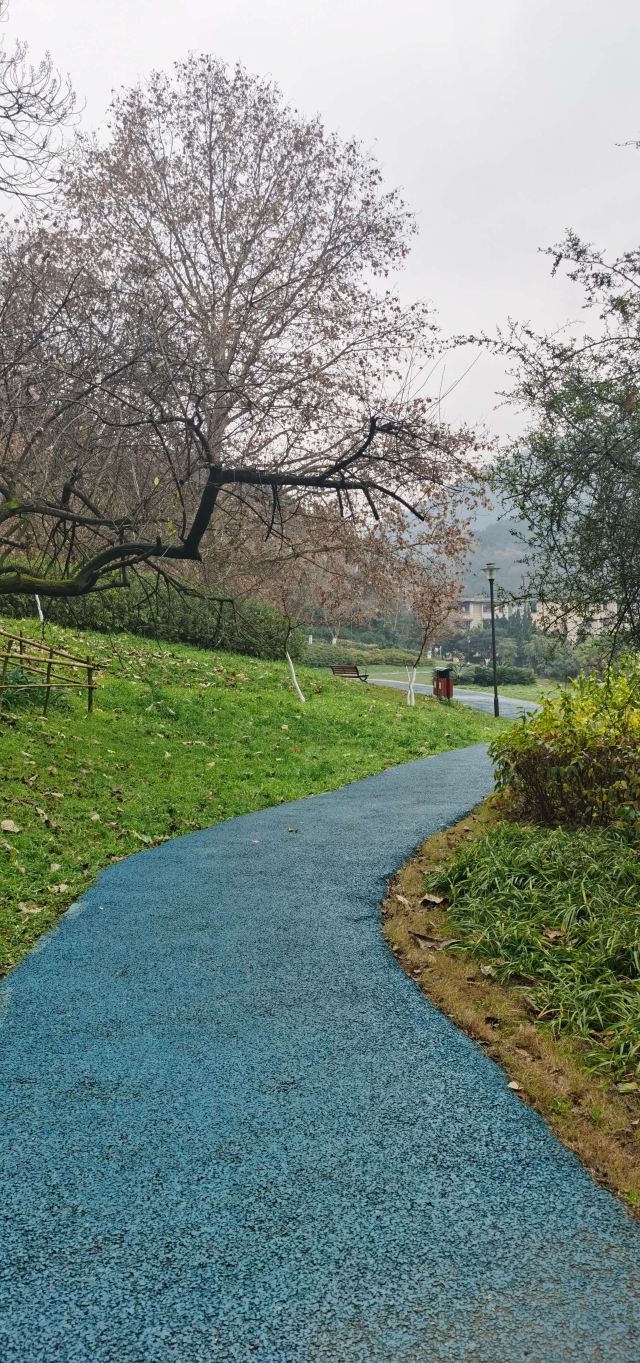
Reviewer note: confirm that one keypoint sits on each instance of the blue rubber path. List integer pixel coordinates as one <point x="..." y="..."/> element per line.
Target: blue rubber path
<point x="234" y="1132"/>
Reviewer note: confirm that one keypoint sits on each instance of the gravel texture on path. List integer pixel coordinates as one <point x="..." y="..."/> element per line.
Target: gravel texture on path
<point x="233" y="1131"/>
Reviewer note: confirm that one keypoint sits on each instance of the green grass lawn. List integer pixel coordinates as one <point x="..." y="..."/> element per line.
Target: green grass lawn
<point x="179" y="738"/>
<point x="558" y="912"/>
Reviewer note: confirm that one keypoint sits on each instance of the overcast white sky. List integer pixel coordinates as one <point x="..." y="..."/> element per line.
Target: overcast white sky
<point x="499" y="118"/>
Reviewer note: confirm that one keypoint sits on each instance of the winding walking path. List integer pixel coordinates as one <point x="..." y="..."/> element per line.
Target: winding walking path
<point x="510" y="706"/>
<point x="234" y="1132"/>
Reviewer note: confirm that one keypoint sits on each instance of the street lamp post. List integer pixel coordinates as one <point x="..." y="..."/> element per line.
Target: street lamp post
<point x="490" y="570"/>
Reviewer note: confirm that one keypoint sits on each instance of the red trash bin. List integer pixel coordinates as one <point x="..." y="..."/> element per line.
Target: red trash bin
<point x="443" y="683"/>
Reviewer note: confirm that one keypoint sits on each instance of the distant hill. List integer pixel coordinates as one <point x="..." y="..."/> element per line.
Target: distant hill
<point x="495" y="531"/>
<point x="497" y="542"/>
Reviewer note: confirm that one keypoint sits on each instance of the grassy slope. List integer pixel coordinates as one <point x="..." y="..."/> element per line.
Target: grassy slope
<point x="180" y="739"/>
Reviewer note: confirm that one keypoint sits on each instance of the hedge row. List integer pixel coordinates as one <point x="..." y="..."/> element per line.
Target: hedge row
<point x="506" y="676"/>
<point x="166" y="613"/>
<point x="362" y="655"/>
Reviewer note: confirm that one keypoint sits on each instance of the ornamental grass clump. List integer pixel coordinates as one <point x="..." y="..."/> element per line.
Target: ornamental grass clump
<point x="577" y="761"/>
<point x="557" y="913"/>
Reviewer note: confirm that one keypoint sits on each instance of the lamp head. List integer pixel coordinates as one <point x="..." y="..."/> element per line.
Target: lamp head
<point x="490" y="570"/>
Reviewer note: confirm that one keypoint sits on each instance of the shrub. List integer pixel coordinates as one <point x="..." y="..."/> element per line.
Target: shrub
<point x="242" y="627"/>
<point x="578" y="759"/>
<point x="362" y="655"/>
<point x="480" y="675"/>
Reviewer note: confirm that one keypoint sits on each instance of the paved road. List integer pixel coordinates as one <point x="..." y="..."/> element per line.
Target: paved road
<point x="234" y="1132"/>
<point x="510" y="707"/>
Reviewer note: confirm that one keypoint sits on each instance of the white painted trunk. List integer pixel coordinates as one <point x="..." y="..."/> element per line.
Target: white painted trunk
<point x="295" y="680"/>
<point x="411" y="695"/>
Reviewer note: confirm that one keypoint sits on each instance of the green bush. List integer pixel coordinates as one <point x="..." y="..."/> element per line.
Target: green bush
<point x="159" y="611"/>
<point x="479" y="675"/>
<point x="577" y="760"/>
<point x="361" y="655"/>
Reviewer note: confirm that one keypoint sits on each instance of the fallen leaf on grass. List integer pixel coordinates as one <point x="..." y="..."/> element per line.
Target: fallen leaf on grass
<point x="59" y="889"/>
<point x="47" y="821"/>
<point x="433" y="943"/>
<point x="8" y="826"/>
<point x="513" y="1084"/>
<point x="142" y="837"/>
<point x="629" y="1087"/>
<point x="553" y="934"/>
<point x="402" y="899"/>
<point x="432" y="899"/>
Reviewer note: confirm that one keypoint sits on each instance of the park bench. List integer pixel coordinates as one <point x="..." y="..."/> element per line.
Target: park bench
<point x="348" y="670"/>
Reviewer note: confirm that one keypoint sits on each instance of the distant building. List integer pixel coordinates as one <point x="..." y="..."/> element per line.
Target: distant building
<point x="476" y="611"/>
<point x="552" y="617"/>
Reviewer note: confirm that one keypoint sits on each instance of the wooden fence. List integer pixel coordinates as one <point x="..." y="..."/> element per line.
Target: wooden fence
<point x="54" y="669"/>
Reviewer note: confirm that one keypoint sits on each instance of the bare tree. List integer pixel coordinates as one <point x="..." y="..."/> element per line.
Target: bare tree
<point x="209" y="327"/>
<point x="36" y="104"/>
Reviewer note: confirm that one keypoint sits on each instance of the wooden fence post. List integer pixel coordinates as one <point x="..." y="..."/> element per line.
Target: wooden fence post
<point x="89" y="687"/>
<point x="5" y="663"/>
<point x="47" y="683"/>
